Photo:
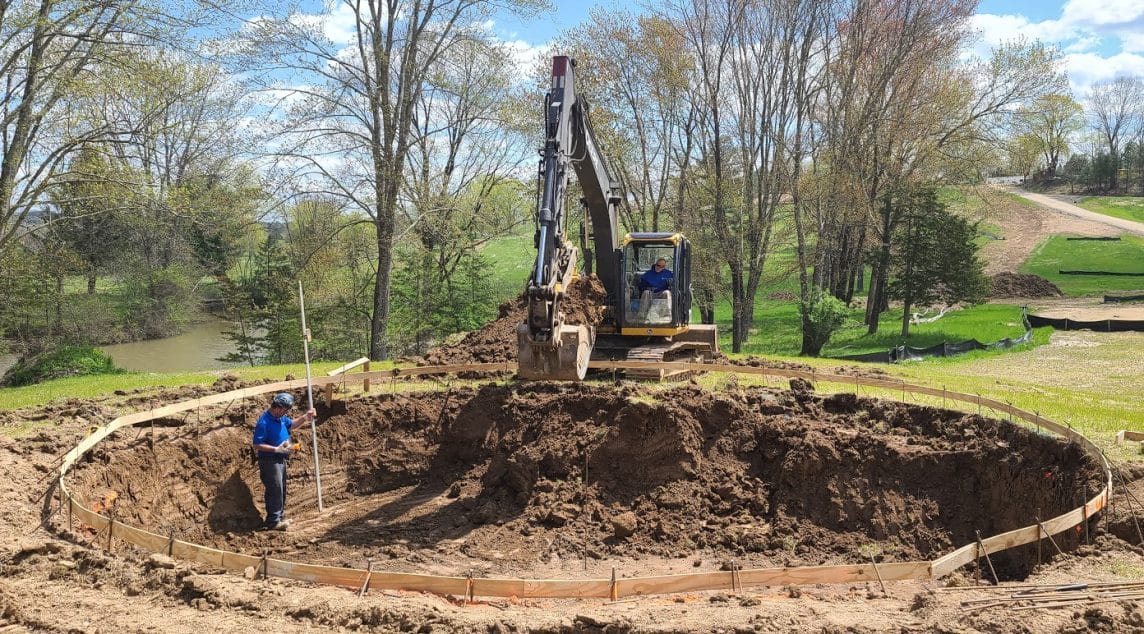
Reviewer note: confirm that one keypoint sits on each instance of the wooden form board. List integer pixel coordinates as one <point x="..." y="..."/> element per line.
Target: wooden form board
<point x="554" y="588"/>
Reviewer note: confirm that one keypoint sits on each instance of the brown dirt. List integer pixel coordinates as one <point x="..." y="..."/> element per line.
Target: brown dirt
<point x="769" y="477"/>
<point x="480" y="477"/>
<point x="495" y="342"/>
<point x="1008" y="284"/>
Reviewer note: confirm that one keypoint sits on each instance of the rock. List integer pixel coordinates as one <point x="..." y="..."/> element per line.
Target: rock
<point x="588" y="621"/>
<point x="159" y="561"/>
<point x="454" y="491"/>
<point x="624" y="525"/>
<point x="250" y="573"/>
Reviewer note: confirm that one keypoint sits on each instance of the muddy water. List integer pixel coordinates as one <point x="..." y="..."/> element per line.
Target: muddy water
<point x="7" y="361"/>
<point x="196" y="349"/>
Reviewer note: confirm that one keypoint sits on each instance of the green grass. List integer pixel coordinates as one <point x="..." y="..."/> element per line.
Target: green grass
<point x="510" y="258"/>
<point x="1058" y="253"/>
<point x="776" y="330"/>
<point x="92" y="386"/>
<point x="1126" y="207"/>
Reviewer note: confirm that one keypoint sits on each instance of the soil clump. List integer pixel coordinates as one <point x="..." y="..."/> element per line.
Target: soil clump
<point x="495" y="342"/>
<point x="1007" y="284"/>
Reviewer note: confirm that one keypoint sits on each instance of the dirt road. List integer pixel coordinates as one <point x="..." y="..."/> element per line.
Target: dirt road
<point x="1064" y="204"/>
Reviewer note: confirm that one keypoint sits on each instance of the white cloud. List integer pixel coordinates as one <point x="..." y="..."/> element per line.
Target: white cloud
<point x="1086" y="69"/>
<point x="1132" y="43"/>
<point x="525" y="56"/>
<point x="1102" y="12"/>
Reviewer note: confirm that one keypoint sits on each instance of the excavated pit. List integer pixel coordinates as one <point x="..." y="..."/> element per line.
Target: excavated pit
<point x="555" y="480"/>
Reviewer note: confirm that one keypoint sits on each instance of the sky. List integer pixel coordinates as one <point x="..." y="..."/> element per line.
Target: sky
<point x="1100" y="39"/>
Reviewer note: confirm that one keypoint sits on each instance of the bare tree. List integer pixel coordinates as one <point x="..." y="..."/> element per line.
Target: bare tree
<point x="1115" y="108"/>
<point x="48" y="52"/>
<point x="354" y="119"/>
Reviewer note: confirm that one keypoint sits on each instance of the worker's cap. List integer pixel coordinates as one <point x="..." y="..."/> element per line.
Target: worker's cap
<point x="283" y="399"/>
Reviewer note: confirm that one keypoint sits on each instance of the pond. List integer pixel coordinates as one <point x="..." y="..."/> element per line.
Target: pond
<point x="197" y="349"/>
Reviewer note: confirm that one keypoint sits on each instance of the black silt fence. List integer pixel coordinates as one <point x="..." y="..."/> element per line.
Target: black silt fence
<point x="944" y="349"/>
<point x="1104" y="325"/>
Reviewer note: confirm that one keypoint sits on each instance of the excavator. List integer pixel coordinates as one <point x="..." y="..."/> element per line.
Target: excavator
<point x="638" y="324"/>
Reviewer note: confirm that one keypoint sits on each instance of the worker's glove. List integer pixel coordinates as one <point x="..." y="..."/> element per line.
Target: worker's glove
<point x="284" y="448"/>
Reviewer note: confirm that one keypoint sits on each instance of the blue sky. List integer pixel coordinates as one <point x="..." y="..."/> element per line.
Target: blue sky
<point x="1100" y="39"/>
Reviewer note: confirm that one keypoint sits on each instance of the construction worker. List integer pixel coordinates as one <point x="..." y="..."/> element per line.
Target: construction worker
<point x="655" y="284"/>
<point x="273" y="444"/>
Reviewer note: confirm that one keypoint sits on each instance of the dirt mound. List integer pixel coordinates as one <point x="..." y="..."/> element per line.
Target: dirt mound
<point x="495" y="342"/>
<point x="501" y="478"/>
<point x="1022" y="285"/>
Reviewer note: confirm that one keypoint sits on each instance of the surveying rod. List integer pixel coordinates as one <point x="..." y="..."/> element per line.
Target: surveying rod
<point x="310" y="396"/>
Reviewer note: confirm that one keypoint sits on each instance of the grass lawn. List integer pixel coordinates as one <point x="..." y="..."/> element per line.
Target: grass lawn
<point x="91" y="386"/>
<point x="777" y="332"/>
<point x="1058" y="253"/>
<point x="510" y="260"/>
<point x="1126" y="207"/>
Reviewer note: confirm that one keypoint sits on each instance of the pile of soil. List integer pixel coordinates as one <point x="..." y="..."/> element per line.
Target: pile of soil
<point x="1022" y="285"/>
<point x="508" y="479"/>
<point x="495" y="342"/>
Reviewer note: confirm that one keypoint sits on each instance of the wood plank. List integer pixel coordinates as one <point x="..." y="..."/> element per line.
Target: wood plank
<point x="1128" y="434"/>
<point x="542" y="588"/>
<point x="349" y="366"/>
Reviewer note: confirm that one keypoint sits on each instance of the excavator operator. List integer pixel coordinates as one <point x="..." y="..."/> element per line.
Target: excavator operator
<point x="653" y="285"/>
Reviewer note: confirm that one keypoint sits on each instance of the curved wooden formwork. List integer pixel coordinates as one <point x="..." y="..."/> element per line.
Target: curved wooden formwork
<point x="109" y="529"/>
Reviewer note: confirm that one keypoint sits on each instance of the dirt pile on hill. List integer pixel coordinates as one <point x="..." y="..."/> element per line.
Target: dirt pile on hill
<point x="1022" y="285"/>
<point x="506" y="477"/>
<point x="495" y="342"/>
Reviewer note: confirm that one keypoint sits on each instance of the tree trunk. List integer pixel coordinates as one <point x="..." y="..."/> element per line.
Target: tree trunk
<point x="379" y="323"/>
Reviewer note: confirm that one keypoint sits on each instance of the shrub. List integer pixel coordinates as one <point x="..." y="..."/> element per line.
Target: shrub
<point x="60" y="362"/>
<point x="826" y="314"/>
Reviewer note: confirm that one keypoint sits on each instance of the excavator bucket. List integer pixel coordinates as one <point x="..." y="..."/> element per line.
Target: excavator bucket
<point x="565" y="359"/>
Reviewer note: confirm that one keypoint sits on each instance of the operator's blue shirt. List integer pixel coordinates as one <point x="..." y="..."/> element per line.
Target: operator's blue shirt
<point x="658" y="281"/>
<point x="271" y="430"/>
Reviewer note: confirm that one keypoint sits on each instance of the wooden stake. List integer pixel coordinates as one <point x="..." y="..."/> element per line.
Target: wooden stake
<point x="615" y="591"/>
<point x="1046" y="534"/>
<point x="368" y="574"/>
<point x="171" y="544"/>
<point x="265" y="564"/>
<point x="878" y="574"/>
<point x="1084" y="511"/>
<point x="111" y="523"/>
<point x="469" y="587"/>
<point x="982" y="549"/>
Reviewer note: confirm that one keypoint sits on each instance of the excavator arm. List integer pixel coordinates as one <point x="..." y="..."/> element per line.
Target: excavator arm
<point x="549" y="348"/>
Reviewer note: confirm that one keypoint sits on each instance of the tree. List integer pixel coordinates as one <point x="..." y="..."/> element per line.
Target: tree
<point x="936" y="257"/>
<point x="355" y="120"/>
<point x="1051" y="119"/>
<point x="1115" y="108"/>
<point x="87" y="202"/>
<point x="49" y="50"/>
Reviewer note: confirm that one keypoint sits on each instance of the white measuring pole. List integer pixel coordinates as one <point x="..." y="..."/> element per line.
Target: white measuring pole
<point x="310" y="396"/>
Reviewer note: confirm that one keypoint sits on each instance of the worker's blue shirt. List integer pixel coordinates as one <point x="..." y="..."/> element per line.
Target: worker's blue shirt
<point x="657" y="281"/>
<point x="271" y="430"/>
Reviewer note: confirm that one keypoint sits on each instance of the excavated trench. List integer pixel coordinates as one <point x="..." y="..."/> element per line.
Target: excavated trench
<point x="541" y="479"/>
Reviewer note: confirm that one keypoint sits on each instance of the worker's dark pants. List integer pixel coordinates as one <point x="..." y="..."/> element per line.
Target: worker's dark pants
<point x="272" y="470"/>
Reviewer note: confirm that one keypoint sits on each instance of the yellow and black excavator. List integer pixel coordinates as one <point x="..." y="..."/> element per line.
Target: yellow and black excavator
<point x="639" y="323"/>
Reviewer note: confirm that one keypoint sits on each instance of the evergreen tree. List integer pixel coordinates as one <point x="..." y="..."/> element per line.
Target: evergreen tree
<point x="936" y="258"/>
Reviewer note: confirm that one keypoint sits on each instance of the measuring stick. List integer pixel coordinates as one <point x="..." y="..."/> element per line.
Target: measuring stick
<point x="310" y="396"/>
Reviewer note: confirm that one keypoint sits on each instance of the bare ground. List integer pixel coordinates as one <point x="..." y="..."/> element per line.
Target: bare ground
<point x="697" y="487"/>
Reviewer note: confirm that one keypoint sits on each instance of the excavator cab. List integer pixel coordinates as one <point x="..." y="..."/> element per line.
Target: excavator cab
<point x="656" y="301"/>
